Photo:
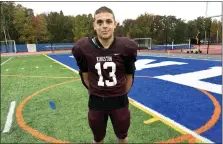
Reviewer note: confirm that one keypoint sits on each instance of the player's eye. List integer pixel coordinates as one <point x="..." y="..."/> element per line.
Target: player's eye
<point x="99" y="22"/>
<point x="108" y="21"/>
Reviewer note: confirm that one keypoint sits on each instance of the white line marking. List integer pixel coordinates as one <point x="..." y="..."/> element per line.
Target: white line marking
<point x="9" y="117"/>
<point x="6" y="61"/>
<point x="173" y="122"/>
<point x="63" y="64"/>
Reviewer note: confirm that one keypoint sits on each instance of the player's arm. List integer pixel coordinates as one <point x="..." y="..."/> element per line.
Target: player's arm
<point x="82" y="64"/>
<point x="129" y="60"/>
<point x="129" y="82"/>
<point x="84" y="79"/>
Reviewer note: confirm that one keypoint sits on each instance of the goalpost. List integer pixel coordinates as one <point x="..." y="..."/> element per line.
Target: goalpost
<point x="144" y="43"/>
<point x="8" y="46"/>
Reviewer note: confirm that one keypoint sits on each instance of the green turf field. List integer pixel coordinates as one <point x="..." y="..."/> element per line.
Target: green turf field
<point x="25" y="76"/>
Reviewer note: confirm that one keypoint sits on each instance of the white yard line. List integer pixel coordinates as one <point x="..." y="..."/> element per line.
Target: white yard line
<point x="6" y="61"/>
<point x="62" y="64"/>
<point x="9" y="117"/>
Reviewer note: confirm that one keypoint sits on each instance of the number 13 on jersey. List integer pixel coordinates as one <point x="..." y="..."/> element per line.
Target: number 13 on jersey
<point x="101" y="81"/>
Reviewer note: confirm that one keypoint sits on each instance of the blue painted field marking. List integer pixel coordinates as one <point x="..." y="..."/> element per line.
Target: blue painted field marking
<point x="215" y="80"/>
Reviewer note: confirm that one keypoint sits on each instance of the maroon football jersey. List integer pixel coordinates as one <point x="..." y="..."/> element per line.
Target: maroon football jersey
<point x="106" y="67"/>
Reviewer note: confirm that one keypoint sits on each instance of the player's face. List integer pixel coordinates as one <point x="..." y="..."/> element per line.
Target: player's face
<point x="104" y="25"/>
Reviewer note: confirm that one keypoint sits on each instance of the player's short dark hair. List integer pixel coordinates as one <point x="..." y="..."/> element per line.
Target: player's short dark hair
<point x="104" y="9"/>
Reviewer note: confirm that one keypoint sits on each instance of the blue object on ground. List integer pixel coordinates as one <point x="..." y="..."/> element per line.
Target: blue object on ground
<point x="52" y="105"/>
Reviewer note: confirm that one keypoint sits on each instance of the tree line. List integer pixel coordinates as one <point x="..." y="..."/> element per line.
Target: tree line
<point x="20" y="24"/>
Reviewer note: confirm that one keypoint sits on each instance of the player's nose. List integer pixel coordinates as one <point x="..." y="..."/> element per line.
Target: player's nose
<point x="104" y="25"/>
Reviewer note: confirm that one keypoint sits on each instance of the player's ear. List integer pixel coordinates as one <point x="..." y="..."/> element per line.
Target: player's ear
<point x="115" y="23"/>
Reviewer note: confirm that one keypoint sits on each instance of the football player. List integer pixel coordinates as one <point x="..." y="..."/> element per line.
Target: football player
<point x="106" y="66"/>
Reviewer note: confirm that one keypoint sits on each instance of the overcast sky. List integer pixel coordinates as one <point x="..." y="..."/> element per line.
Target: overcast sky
<point x="125" y="10"/>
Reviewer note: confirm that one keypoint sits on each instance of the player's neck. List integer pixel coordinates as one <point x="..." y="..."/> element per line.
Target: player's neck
<point x="106" y="43"/>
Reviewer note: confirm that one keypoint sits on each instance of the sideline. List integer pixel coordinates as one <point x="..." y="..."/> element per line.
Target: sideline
<point x="6" y="61"/>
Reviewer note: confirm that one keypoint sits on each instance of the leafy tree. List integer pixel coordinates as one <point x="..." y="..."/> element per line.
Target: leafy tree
<point x="8" y="29"/>
<point x="82" y="26"/>
<point x="40" y="29"/>
<point x="59" y="27"/>
<point x="22" y="22"/>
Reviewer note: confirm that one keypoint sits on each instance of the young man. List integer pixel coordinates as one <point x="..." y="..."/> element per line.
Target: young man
<point x="106" y="65"/>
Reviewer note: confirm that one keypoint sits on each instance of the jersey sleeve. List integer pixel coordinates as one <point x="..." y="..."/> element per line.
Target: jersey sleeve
<point x="80" y="59"/>
<point x="130" y="57"/>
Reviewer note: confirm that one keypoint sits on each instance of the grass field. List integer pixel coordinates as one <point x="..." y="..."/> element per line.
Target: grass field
<point x="31" y="81"/>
